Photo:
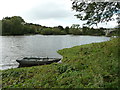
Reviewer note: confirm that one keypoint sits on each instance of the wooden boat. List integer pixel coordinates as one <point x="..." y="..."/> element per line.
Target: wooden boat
<point x="34" y="61"/>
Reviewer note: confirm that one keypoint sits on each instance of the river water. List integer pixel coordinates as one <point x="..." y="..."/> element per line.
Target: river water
<point x="16" y="47"/>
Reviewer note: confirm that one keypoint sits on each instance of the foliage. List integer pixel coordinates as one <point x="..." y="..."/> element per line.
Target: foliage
<point x="76" y="30"/>
<point x="92" y="31"/>
<point x="87" y="66"/>
<point x="60" y="27"/>
<point x="56" y="31"/>
<point x="0" y="27"/>
<point x="46" y="31"/>
<point x="17" y="26"/>
<point x="67" y="30"/>
<point x="95" y="12"/>
<point x="116" y="32"/>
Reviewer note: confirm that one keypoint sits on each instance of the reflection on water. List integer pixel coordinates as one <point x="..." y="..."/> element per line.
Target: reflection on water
<point x="15" y="47"/>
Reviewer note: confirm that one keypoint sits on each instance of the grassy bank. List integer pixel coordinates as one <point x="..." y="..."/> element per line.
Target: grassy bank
<point x="86" y="66"/>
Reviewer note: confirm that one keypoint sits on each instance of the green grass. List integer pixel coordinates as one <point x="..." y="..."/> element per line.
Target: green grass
<point x="87" y="66"/>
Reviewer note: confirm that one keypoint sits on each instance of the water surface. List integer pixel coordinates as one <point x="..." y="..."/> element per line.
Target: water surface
<point x="15" y="47"/>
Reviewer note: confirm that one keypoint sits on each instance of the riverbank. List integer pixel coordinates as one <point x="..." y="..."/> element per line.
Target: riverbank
<point x="86" y="66"/>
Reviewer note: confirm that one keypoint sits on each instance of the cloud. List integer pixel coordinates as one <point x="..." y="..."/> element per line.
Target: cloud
<point x="48" y="12"/>
<point x="44" y="12"/>
<point x="48" y="9"/>
<point x="51" y="13"/>
<point x="60" y="21"/>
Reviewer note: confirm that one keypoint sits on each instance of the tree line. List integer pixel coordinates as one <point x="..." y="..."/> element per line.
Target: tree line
<point x="17" y="26"/>
<point x="0" y="27"/>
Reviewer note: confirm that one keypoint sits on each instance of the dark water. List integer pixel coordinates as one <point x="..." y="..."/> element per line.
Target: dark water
<point x="15" y="47"/>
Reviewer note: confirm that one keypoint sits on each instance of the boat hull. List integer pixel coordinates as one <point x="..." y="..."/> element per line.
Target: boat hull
<point x="35" y="62"/>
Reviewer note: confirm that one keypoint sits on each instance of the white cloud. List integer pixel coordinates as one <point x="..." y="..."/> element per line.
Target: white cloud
<point x="56" y="22"/>
<point x="110" y="24"/>
<point x="44" y="12"/>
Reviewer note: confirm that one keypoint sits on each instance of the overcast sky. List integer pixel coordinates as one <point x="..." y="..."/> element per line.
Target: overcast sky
<point x="43" y="12"/>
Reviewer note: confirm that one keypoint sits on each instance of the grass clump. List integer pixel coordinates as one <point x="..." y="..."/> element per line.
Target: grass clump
<point x="87" y="66"/>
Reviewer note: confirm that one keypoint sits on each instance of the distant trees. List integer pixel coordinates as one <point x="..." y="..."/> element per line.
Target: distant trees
<point x="59" y="30"/>
<point x="115" y="32"/>
<point x="75" y="29"/>
<point x="13" y="25"/>
<point x="0" y="27"/>
<point x="47" y="31"/>
<point x="67" y="29"/>
<point x="53" y="31"/>
<point x="92" y="31"/>
<point x="9" y="25"/>
<point x="17" y="26"/>
<point x="60" y="27"/>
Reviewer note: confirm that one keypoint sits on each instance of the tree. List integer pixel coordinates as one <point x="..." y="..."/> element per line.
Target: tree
<point x="56" y="31"/>
<point x="12" y="25"/>
<point x="95" y="12"/>
<point x="0" y="27"/>
<point x="67" y="29"/>
<point x="47" y="31"/>
<point x="75" y="26"/>
<point x="75" y="29"/>
<point x="60" y="27"/>
<point x="17" y="25"/>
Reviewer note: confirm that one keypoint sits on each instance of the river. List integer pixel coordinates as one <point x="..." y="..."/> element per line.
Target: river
<point x="16" y="47"/>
